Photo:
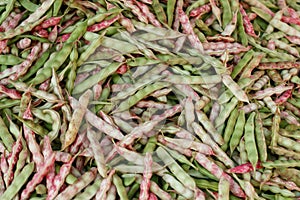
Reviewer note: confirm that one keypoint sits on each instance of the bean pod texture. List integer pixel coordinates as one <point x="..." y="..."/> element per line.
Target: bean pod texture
<point x="149" y="99"/>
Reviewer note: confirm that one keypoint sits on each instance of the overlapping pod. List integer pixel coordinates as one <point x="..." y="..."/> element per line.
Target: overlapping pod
<point x="250" y="141"/>
<point x="18" y="182"/>
<point x="156" y="69"/>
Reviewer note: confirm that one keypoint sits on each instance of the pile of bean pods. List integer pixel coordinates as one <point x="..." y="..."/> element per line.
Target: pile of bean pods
<point x="149" y="99"/>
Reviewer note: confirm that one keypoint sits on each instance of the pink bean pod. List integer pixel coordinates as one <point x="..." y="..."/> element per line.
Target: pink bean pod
<point x="210" y="20"/>
<point x="151" y="17"/>
<point x="59" y="179"/>
<point x="38" y="177"/>
<point x="102" y="25"/>
<point x="107" y="119"/>
<point x="284" y="97"/>
<point x="244" y="168"/>
<point x="79" y="163"/>
<point x="189" y="91"/>
<point x="292" y="108"/>
<point x="68" y="23"/>
<point x="288" y="184"/>
<point x="11" y="93"/>
<point x="278" y="65"/>
<point x="11" y="21"/>
<point x="175" y="147"/>
<point x="292" y="13"/>
<point x="152" y="196"/>
<point x="176" y="23"/>
<point x="63" y="38"/>
<point x="3" y="45"/>
<point x="45" y="85"/>
<point x="188" y="29"/>
<point x="50" y="177"/>
<point x="16" y="149"/>
<point x="33" y="147"/>
<point x="218" y="172"/>
<point x="184" y="134"/>
<point x="290" y="20"/>
<point x="152" y="104"/>
<point x="82" y="182"/>
<point x="27" y="113"/>
<point x="62" y="156"/>
<point x="293" y="39"/>
<point x="252" y="16"/>
<point x="89" y="4"/>
<point x="247" y="23"/>
<point x="198" y="12"/>
<point x="47" y="152"/>
<point x="217" y="48"/>
<point x="168" y="113"/>
<point x="289" y="118"/>
<point x="52" y="21"/>
<point x="122" y="69"/>
<point x="42" y="33"/>
<point x="105" y="186"/>
<point x="53" y="34"/>
<point x="24" y="43"/>
<point x="14" y="22"/>
<point x="271" y="45"/>
<point x="270" y="91"/>
<point x="127" y="23"/>
<point x="147" y="174"/>
<point x="25" y="65"/>
<point x="3" y="164"/>
<point x="136" y="11"/>
<point x="97" y="90"/>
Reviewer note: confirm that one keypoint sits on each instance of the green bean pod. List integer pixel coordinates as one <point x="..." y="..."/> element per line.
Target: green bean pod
<point x="55" y="60"/>
<point x="223" y="189"/>
<point x="89" y="191"/>
<point x="281" y="164"/>
<point x="20" y="29"/>
<point x="238" y="131"/>
<point x="18" y="182"/>
<point x="9" y="7"/>
<point x="132" y="100"/>
<point x="38" y="64"/>
<point x="10" y="59"/>
<point x="175" y="168"/>
<point x="250" y="140"/>
<point x="260" y="139"/>
<point x="159" y="11"/>
<point x="225" y="113"/>
<point x="230" y="128"/>
<point x="242" y="63"/>
<point x="226" y="14"/>
<point x="92" y="80"/>
<point x="288" y="143"/>
<point x="275" y="128"/>
<point x="117" y="181"/>
<point x="28" y="5"/>
<point x="5" y="136"/>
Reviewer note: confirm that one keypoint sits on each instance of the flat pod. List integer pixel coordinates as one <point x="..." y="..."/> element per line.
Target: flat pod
<point x="250" y="140"/>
